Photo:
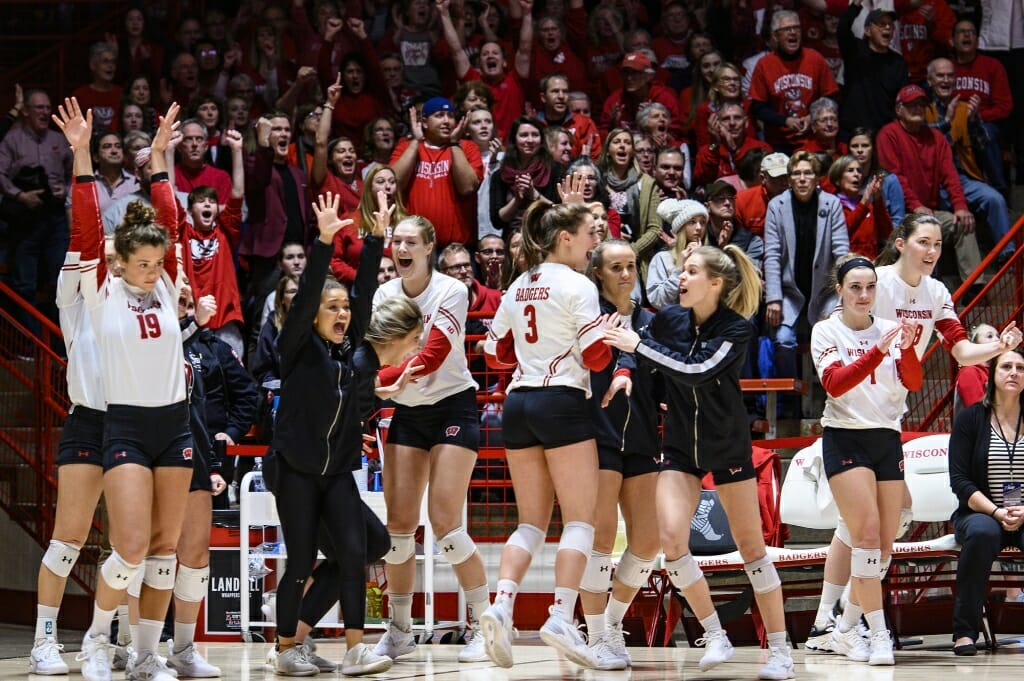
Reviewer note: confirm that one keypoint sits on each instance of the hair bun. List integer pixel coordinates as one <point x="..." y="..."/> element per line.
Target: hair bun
<point x="138" y="213"/>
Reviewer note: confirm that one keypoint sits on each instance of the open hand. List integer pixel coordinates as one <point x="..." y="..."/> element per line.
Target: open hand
<point x="382" y="216"/>
<point x="168" y="124"/>
<point x="77" y="128"/>
<point x="570" y="189"/>
<point x="327" y="221"/>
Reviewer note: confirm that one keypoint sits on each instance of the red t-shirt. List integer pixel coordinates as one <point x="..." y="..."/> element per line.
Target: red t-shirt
<point x="922" y="40"/>
<point x="106" y="106"/>
<point x="348" y="246"/>
<point x="788" y="86"/>
<point x="186" y="180"/>
<point x="431" y="192"/>
<point x="508" y="99"/>
<point x="349" y="194"/>
<point x="353" y="113"/>
<point x="986" y="78"/>
<point x="211" y="267"/>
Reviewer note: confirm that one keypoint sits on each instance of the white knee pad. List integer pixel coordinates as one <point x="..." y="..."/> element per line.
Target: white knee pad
<point x="577" y="536"/>
<point x="160" y="572"/>
<point x="457" y="546"/>
<point x="865" y="563"/>
<point x="762" y="575"/>
<point x="60" y="557"/>
<point x="683" y="572"/>
<point x="597" y="577"/>
<point x="527" y="537"/>
<point x="843" y="532"/>
<point x="135" y="586"/>
<point x="884" y="567"/>
<point x="632" y="571"/>
<point x="118" y="573"/>
<point x="403" y="547"/>
<point x="190" y="583"/>
<point x="906" y="517"/>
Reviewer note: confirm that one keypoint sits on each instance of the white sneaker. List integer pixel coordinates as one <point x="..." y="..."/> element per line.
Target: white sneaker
<point x="45" y="658"/>
<point x="268" y="664"/>
<point x="361" y="660"/>
<point x="321" y="663"/>
<point x="717" y="649"/>
<point x="779" y="665"/>
<point x="95" y="658"/>
<point x="607" y="659"/>
<point x="851" y="644"/>
<point x="122" y="653"/>
<point x="293" y="662"/>
<point x="881" y="648"/>
<point x="615" y="637"/>
<point x="190" y="664"/>
<point x="395" y="642"/>
<point x="475" y="649"/>
<point x="820" y="640"/>
<point x="149" y="667"/>
<point x="496" y="625"/>
<point x="565" y="637"/>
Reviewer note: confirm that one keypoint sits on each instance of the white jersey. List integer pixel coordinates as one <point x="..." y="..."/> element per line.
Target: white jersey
<point x="444" y="303"/>
<point x="85" y="371"/>
<point x="928" y="304"/>
<point x="875" y="402"/>
<point x="552" y="314"/>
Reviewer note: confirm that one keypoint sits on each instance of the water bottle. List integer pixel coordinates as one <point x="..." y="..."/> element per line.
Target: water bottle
<point x="257" y="483"/>
<point x="361" y="474"/>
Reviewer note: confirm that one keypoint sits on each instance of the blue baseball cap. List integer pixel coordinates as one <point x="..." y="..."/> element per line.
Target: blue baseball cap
<point x="435" y="104"/>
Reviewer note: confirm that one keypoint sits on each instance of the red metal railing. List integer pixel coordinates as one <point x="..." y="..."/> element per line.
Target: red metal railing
<point x="34" y="404"/>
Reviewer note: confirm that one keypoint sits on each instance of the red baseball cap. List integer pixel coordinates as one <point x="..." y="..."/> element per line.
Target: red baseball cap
<point x="911" y="93"/>
<point x="637" y="61"/>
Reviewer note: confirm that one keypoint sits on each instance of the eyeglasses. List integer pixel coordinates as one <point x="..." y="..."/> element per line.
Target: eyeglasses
<point x="492" y="251"/>
<point x="207" y="53"/>
<point x="729" y="79"/>
<point x="788" y="29"/>
<point x="458" y="267"/>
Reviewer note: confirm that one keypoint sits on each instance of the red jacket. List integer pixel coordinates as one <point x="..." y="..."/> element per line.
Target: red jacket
<point x="868" y="225"/>
<point x="268" y="216"/>
<point x="711" y="165"/>
<point x="923" y="163"/>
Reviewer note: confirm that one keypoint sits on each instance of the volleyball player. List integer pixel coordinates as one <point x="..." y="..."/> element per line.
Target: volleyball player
<point x="549" y="323"/>
<point x="326" y="391"/>
<point x="433" y="438"/>
<point x="147" y="444"/>
<point x="905" y="290"/>
<point x="700" y="346"/>
<point x="628" y="448"/>
<point x="80" y="452"/>
<point x="866" y="365"/>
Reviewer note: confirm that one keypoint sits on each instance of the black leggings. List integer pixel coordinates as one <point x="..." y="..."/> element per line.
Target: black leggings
<point x="322" y="594"/>
<point x="303" y="502"/>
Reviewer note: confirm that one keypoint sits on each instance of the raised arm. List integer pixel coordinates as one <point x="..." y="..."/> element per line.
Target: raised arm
<point x="77" y="128"/>
<point x="524" y="53"/>
<point x="451" y="36"/>
<point x="318" y="173"/>
<point x="161" y="190"/>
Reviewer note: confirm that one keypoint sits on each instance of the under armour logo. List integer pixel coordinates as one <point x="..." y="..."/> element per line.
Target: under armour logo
<point x="872" y="561"/>
<point x="204" y="580"/>
<point x="673" y="573"/>
<point x="756" y="571"/>
<point x="558" y="601"/>
<point x="163" y="571"/>
<point x="449" y="547"/>
<point x="65" y="559"/>
<point x="606" y="568"/>
<point x="644" y="571"/>
<point x="123" y="578"/>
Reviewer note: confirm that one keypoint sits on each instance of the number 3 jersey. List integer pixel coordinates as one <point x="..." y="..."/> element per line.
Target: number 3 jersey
<point x="137" y="332"/>
<point x="551" y="319"/>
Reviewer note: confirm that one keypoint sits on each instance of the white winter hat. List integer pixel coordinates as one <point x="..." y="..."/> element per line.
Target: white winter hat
<point x="678" y="212"/>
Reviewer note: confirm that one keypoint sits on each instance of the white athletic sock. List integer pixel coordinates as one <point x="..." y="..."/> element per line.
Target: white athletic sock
<point x="401" y="610"/>
<point x="830" y="593"/>
<point x="595" y="625"/>
<point x="507" y="590"/>
<point x="148" y="640"/>
<point x="851" y="614"/>
<point x="565" y="602"/>
<point x="124" y="626"/>
<point x="876" y="621"/>
<point x="777" y="639"/>
<point x="46" y="621"/>
<point x="845" y="597"/>
<point x="101" y="620"/>
<point x="477" y="600"/>
<point x="615" y="611"/>
<point x="711" y="623"/>
<point x="184" y="635"/>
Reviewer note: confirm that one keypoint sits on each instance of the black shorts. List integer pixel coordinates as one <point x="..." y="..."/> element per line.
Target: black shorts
<point x="82" y="439"/>
<point x="737" y="472"/>
<point x="627" y="465"/>
<point x="879" y="449"/>
<point x="551" y="417"/>
<point x="452" y="421"/>
<point x="200" y="473"/>
<point x="153" y="437"/>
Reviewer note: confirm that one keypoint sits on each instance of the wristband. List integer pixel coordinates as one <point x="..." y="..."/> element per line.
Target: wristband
<point x="329" y="107"/>
<point x="993" y="513"/>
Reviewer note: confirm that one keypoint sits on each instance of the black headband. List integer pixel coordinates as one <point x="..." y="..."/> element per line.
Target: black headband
<point x="853" y="263"/>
